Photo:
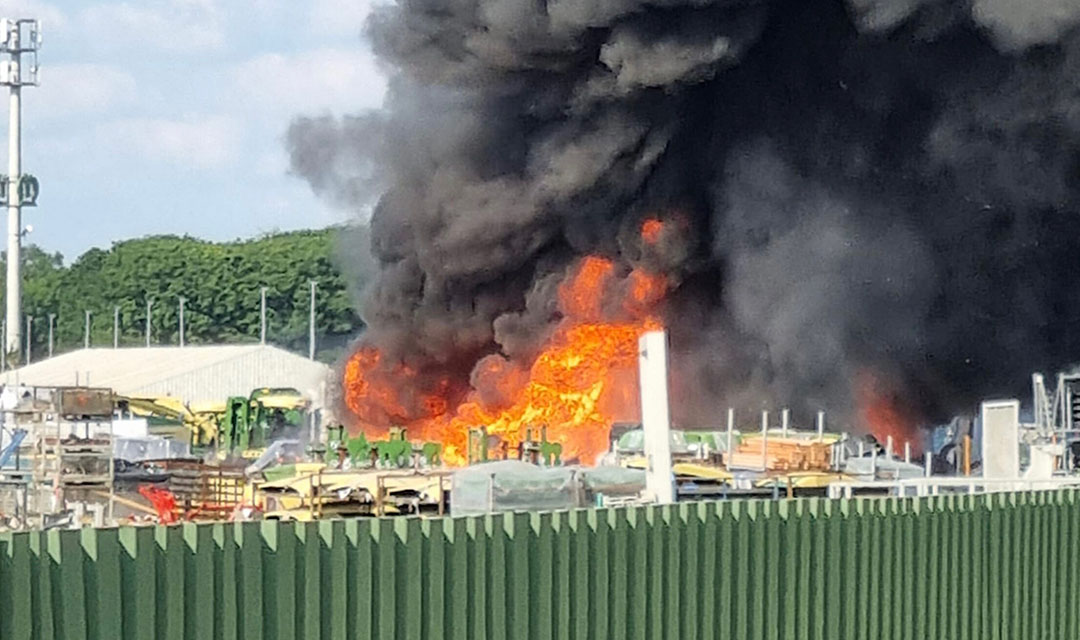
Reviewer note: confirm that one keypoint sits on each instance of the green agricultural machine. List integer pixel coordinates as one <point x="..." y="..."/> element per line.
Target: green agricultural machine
<point x="395" y="452"/>
<point x="249" y="424"/>
<point x="483" y="447"/>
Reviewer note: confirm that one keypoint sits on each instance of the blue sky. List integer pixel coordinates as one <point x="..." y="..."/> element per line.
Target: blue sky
<point x="169" y="116"/>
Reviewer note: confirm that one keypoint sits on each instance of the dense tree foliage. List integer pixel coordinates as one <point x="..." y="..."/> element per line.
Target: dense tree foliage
<point x="220" y="283"/>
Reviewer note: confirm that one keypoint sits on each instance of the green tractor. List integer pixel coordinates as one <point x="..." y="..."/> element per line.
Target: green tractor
<point x="250" y="424"/>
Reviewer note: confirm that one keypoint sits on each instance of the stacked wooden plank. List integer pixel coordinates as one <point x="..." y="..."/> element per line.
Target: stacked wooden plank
<point x="781" y="454"/>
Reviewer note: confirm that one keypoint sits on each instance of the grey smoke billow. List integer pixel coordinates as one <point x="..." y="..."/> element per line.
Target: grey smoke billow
<point x="861" y="185"/>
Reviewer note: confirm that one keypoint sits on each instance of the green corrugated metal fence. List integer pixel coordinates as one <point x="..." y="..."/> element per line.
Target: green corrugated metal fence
<point x="970" y="567"/>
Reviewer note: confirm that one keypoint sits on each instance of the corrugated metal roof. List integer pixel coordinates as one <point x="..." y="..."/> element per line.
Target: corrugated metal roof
<point x="193" y="374"/>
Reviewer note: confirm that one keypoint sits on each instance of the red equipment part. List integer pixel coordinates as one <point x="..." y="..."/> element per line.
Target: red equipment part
<point x="163" y="501"/>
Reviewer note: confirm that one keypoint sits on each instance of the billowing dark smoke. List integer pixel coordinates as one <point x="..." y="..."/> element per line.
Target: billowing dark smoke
<point x="885" y="186"/>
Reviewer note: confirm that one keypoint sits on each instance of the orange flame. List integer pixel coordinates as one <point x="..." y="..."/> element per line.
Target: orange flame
<point x="651" y="229"/>
<point x="583" y="380"/>
<point x="881" y="411"/>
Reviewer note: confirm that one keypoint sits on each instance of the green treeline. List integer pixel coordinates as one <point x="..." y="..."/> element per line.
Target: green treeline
<point x="221" y="284"/>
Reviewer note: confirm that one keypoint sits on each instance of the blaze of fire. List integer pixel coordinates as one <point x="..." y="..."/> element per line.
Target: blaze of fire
<point x="884" y="415"/>
<point x="583" y="380"/>
<point x="651" y="229"/>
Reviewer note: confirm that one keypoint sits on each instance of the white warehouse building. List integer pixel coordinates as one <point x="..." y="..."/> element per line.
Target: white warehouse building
<point x="192" y="374"/>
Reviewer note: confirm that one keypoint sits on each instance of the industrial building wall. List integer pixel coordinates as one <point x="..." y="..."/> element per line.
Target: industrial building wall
<point x="239" y="376"/>
<point x="1000" y="566"/>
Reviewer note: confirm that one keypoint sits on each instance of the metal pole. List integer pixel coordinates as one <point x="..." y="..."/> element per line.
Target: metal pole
<point x="907" y="451"/>
<point x="14" y="240"/>
<point x="967" y="455"/>
<point x="311" y="324"/>
<point x="262" y="315"/>
<point x="29" y="336"/>
<point x="820" y="425"/>
<point x="86" y="331"/>
<point x="928" y="467"/>
<point x="764" y="440"/>
<point x="785" y="421"/>
<point x="182" y="300"/>
<point x="730" y="429"/>
<point x="116" y="327"/>
<point x="888" y="447"/>
<point x="149" y="303"/>
<point x="52" y="321"/>
<point x="4" y="351"/>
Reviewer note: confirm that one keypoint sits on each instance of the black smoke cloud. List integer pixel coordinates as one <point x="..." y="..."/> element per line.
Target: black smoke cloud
<point x="883" y="185"/>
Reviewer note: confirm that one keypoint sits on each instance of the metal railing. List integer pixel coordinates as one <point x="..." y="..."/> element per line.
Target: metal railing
<point x="939" y="485"/>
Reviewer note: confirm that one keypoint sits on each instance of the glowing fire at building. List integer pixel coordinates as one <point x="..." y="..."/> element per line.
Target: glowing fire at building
<point x="881" y="411"/>
<point x="583" y="380"/>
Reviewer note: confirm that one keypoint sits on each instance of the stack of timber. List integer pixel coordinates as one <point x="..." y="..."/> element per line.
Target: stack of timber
<point x="781" y="454"/>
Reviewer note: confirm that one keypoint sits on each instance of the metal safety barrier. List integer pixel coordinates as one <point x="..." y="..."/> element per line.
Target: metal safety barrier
<point x="994" y="566"/>
<point x="936" y="485"/>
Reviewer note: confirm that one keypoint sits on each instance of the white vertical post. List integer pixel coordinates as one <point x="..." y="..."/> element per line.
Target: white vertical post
<point x="655" y="415"/>
<point x="730" y="437"/>
<point x="820" y="425"/>
<point x="311" y="325"/>
<point x="4" y="351"/>
<point x="182" y="300"/>
<point x="262" y="315"/>
<point x="1001" y="439"/>
<point x="29" y="337"/>
<point x="927" y="467"/>
<point x="888" y="447"/>
<point x="907" y="451"/>
<point x="859" y="448"/>
<point x="116" y="327"/>
<point x="14" y="239"/>
<point x="52" y="323"/>
<point x="86" y="331"/>
<point x="149" y="320"/>
<point x="785" y="421"/>
<point x="15" y="76"/>
<point x="764" y="440"/>
<point x="873" y="464"/>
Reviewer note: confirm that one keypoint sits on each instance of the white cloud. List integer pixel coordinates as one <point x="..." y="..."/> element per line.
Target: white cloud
<point x="207" y="142"/>
<point x="173" y="26"/>
<point x="310" y="82"/>
<point x="79" y="89"/>
<point x="334" y="18"/>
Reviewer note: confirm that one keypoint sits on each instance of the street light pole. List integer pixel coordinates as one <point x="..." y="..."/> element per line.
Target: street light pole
<point x="116" y="327"/>
<point x="29" y="336"/>
<point x="311" y="324"/>
<point x="149" y="303"/>
<point x="262" y="315"/>
<point x="182" y="299"/>
<point x="86" y="331"/>
<point x="52" y="320"/>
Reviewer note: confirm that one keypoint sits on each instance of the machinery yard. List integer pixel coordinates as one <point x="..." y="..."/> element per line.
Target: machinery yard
<point x="78" y="456"/>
